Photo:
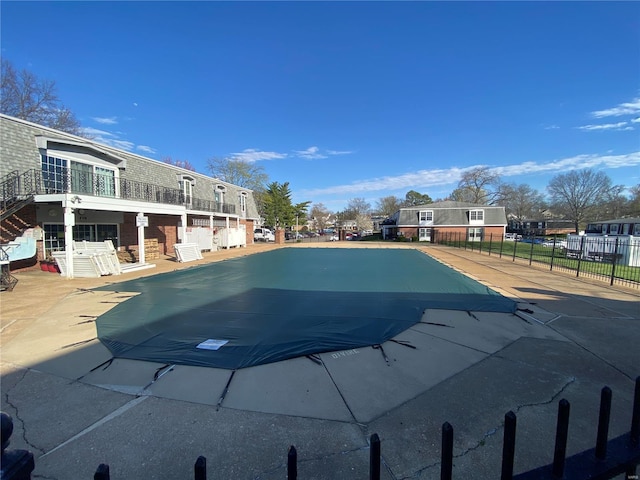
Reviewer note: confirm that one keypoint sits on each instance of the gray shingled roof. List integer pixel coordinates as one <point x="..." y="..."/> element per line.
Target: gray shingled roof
<point x="449" y="213"/>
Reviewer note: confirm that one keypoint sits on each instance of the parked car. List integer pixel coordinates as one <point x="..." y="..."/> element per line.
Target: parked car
<point x="512" y="237"/>
<point x="334" y="238"/>
<point x="558" y="243"/>
<point x="263" y="235"/>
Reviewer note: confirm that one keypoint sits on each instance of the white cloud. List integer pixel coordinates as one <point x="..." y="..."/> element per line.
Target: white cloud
<point x="106" y="120"/>
<point x="635" y="120"/>
<point x="421" y="178"/>
<point x="628" y="108"/>
<point x="251" y="155"/>
<point x="311" y="153"/>
<point x="95" y="133"/>
<point x="145" y="149"/>
<point x="122" y="144"/>
<point x="431" y="178"/>
<point x="551" y="127"/>
<point x="111" y="139"/>
<point x="607" y="126"/>
<point x="339" y="152"/>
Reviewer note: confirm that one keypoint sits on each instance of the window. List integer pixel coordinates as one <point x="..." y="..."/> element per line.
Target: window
<point x="243" y="202"/>
<point x="476" y="217"/>
<point x="219" y="196"/>
<point x="475" y="234"/>
<point x="186" y="185"/>
<point x="54" y="174"/>
<point x="105" y="182"/>
<point x="424" y="234"/>
<point x="68" y="176"/>
<point x="54" y="235"/>
<point x="426" y="217"/>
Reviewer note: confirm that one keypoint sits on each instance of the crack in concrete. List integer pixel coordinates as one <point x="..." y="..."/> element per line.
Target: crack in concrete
<point x="495" y="430"/>
<point x="16" y="414"/>
<point x="284" y="464"/>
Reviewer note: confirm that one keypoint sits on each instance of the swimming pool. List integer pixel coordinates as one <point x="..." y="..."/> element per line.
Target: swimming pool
<point x="284" y="303"/>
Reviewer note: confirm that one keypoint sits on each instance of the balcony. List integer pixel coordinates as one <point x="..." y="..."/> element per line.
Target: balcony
<point x="37" y="182"/>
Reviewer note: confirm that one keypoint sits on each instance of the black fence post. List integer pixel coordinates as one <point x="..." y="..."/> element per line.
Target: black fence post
<point x="508" y="445"/>
<point x="634" y="434"/>
<point x="515" y="247"/>
<point x="102" y="472"/>
<point x="603" y="423"/>
<point x="490" y="242"/>
<point x="553" y="253"/>
<point x="562" y="432"/>
<point x="614" y="261"/>
<point x="580" y="255"/>
<point x="446" y="463"/>
<point x="292" y="463"/>
<point x="200" y="469"/>
<point x="374" y="458"/>
<point x="533" y="241"/>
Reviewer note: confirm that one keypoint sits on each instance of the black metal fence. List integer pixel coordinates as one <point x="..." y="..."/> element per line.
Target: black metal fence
<point x="615" y="260"/>
<point x="608" y="459"/>
<point x="15" y="186"/>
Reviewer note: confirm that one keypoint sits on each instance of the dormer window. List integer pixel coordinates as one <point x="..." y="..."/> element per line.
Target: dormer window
<point x="476" y="217"/>
<point x="243" y="202"/>
<point x="186" y="185"/>
<point x="426" y="217"/>
<point x="218" y="194"/>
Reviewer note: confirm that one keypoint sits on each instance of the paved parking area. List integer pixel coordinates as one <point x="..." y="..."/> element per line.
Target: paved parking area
<point x="74" y="408"/>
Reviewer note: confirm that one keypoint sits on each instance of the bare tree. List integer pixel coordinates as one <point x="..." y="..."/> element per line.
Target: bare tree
<point x="521" y="201"/>
<point x="633" y="208"/>
<point x="614" y="204"/>
<point x="358" y="206"/>
<point x="237" y="172"/>
<point x="186" y="164"/>
<point x="478" y="185"/>
<point x="579" y="193"/>
<point x="387" y="206"/>
<point x="320" y="216"/>
<point x="364" y="222"/>
<point x="26" y="97"/>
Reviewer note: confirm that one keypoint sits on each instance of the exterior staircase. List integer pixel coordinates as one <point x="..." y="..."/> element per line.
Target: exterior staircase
<point x="18" y="190"/>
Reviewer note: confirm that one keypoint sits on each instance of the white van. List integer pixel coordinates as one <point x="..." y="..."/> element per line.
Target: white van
<point x="512" y="237"/>
<point x="263" y="235"/>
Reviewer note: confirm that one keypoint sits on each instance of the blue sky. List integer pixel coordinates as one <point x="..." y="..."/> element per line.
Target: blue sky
<point x="349" y="100"/>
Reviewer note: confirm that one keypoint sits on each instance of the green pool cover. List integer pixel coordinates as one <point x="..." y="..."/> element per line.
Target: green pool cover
<point x="285" y="303"/>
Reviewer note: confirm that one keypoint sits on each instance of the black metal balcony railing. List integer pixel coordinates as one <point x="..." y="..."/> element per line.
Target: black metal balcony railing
<point x="63" y="180"/>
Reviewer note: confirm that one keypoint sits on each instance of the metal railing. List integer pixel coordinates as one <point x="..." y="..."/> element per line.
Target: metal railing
<point x="613" y="260"/>
<point x="15" y="187"/>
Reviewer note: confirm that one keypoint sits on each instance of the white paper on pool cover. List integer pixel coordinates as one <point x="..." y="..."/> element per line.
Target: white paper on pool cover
<point x="212" y="344"/>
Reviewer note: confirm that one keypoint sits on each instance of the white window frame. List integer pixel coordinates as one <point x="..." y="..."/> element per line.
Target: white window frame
<point x="474" y="234"/>
<point x="186" y="185"/>
<point x="476" y="217"/>
<point x="242" y="198"/>
<point x="65" y="163"/>
<point x="424" y="234"/>
<point x="425" y="217"/>
<point x="218" y="194"/>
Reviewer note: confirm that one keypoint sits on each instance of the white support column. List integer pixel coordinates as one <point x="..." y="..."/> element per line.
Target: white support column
<point x="141" y="222"/>
<point x="69" y="223"/>
<point x="183" y="227"/>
